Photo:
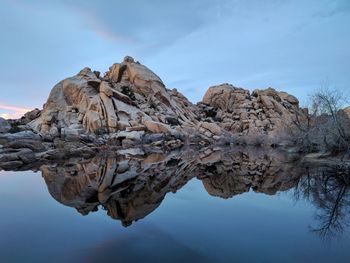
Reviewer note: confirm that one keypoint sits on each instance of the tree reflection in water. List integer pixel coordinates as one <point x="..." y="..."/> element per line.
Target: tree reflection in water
<point x="328" y="189"/>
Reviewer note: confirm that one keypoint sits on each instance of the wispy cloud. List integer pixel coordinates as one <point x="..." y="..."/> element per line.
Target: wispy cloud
<point x="98" y="26"/>
<point x="333" y="8"/>
<point x="145" y="25"/>
<point x="12" y="112"/>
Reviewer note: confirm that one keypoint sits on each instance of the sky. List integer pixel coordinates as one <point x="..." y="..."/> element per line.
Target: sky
<point x="292" y="45"/>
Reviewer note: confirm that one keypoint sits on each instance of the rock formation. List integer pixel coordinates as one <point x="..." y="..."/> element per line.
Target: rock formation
<point x="30" y="116"/>
<point x="347" y="111"/>
<point x="4" y="125"/>
<point x="131" y="98"/>
<point x="264" y="112"/>
<point x="130" y="106"/>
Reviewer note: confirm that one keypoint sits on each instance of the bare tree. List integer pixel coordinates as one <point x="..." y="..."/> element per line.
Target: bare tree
<point x="327" y="127"/>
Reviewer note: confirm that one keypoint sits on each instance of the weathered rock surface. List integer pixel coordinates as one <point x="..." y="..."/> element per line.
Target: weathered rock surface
<point x="130" y="105"/>
<point x="264" y="112"/>
<point x="347" y="111"/>
<point x="130" y="97"/>
<point x="31" y="115"/>
<point x="24" y="135"/>
<point x="4" y="125"/>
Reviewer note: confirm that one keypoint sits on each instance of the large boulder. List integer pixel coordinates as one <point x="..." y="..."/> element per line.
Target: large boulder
<point x="224" y="96"/>
<point x="30" y="115"/>
<point x="157" y="127"/>
<point x="212" y="128"/>
<point x="347" y="111"/>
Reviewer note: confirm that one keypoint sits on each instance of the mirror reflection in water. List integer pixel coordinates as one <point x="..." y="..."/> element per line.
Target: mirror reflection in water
<point x="130" y="185"/>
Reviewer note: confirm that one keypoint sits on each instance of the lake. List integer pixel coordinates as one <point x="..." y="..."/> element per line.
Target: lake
<point x="195" y="205"/>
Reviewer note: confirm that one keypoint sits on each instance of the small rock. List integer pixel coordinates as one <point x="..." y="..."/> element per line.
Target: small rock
<point x="157" y="127"/>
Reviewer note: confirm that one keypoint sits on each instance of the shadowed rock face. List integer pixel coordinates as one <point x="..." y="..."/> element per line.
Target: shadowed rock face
<point x="131" y="187"/>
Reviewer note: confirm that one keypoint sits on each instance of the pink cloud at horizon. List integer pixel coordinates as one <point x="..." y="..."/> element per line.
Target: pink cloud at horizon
<point x="12" y="112"/>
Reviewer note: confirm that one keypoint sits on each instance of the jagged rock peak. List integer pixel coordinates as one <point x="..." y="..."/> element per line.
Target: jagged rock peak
<point x="131" y="71"/>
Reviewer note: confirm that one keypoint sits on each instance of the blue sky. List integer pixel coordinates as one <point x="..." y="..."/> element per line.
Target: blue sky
<point x="294" y="46"/>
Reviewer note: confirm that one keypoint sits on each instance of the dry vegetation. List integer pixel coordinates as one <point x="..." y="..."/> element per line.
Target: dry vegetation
<point x="327" y="128"/>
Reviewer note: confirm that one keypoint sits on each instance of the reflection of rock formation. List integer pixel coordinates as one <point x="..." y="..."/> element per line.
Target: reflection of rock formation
<point x="131" y="184"/>
<point x="265" y="172"/>
<point x="131" y="187"/>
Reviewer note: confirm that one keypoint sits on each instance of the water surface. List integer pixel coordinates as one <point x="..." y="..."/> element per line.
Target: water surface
<point x="207" y="206"/>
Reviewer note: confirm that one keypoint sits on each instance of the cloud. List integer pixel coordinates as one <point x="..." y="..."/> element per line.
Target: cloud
<point x="100" y="29"/>
<point x="12" y="112"/>
<point x="190" y="44"/>
<point x="333" y="8"/>
<point x="149" y="25"/>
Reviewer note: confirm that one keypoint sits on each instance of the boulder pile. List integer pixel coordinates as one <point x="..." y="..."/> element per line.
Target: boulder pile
<point x="263" y="112"/>
<point x="130" y="105"/>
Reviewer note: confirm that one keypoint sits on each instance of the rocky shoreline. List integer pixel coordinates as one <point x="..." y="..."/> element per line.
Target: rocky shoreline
<point x="130" y="107"/>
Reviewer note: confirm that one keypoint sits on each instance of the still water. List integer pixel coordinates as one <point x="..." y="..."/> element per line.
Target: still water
<point x="207" y="206"/>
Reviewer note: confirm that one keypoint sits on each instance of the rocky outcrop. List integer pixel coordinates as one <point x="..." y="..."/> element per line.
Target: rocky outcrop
<point x="347" y="111"/>
<point x="263" y="112"/>
<point x="30" y="116"/>
<point x="4" y="125"/>
<point x="130" y="97"/>
<point x="130" y="106"/>
<point x="19" y="149"/>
